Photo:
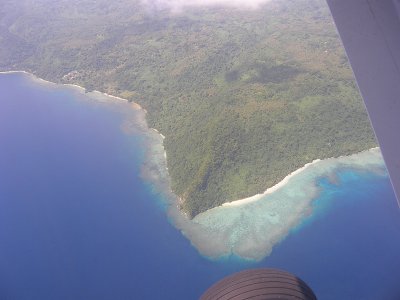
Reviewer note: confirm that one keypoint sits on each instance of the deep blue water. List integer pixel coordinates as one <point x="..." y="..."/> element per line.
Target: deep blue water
<point x="350" y="249"/>
<point x="77" y="221"/>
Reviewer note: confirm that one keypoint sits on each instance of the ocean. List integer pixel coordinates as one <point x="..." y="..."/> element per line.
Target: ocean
<point x="79" y="221"/>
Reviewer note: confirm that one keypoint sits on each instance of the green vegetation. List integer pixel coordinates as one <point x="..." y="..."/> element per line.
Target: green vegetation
<point x="244" y="97"/>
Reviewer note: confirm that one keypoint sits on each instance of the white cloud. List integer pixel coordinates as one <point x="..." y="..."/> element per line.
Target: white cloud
<point x="178" y="5"/>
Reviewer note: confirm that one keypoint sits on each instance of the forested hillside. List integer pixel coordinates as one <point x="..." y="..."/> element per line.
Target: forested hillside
<point x="244" y="97"/>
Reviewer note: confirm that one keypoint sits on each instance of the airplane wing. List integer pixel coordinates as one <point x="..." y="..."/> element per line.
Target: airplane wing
<point x="370" y="32"/>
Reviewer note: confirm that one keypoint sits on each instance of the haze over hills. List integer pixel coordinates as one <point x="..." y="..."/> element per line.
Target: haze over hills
<point x="244" y="95"/>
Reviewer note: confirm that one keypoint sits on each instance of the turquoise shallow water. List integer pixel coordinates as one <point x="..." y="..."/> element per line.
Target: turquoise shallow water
<point x="77" y="221"/>
<point x="349" y="248"/>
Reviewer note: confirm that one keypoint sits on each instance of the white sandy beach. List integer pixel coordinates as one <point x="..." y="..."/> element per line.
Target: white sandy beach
<point x="272" y="189"/>
<point x="251" y="231"/>
<point x="282" y="183"/>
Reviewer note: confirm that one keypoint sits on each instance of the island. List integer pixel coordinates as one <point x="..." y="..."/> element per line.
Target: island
<point x="243" y="96"/>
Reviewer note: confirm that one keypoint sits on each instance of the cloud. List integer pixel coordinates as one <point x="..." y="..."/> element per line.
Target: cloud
<point x="178" y="5"/>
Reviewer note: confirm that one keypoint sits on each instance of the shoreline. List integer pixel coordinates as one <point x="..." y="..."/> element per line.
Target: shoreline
<point x="81" y="88"/>
<point x="284" y="181"/>
<point x="94" y="95"/>
<point x="252" y="231"/>
<point x="272" y="189"/>
<point x="234" y="228"/>
<point x="136" y="106"/>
